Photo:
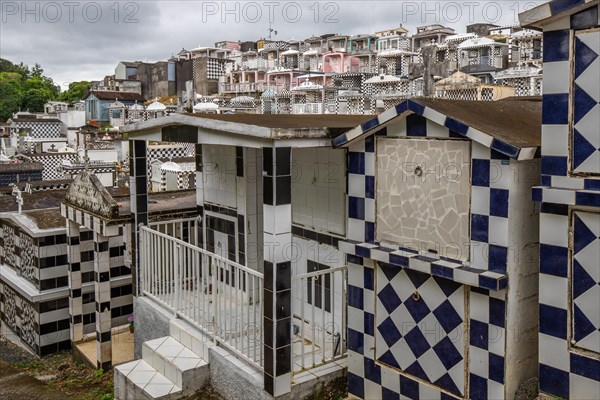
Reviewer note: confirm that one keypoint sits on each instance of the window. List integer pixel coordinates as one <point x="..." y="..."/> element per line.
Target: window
<point x="322" y="286"/>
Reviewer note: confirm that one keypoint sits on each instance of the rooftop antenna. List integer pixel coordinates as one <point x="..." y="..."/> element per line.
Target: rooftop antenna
<point x="271" y="31"/>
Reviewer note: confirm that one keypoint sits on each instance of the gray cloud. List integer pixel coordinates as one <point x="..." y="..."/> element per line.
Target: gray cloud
<point x="86" y="39"/>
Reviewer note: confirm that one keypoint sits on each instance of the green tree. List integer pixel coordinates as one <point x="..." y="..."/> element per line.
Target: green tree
<point x="11" y="94"/>
<point x="75" y="92"/>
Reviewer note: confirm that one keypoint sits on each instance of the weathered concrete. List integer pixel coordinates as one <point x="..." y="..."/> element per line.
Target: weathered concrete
<point x="151" y="322"/>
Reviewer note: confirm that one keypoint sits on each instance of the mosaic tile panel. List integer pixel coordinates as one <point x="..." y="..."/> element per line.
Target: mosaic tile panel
<point x="9" y="245"/>
<point x="28" y="267"/>
<point x="586" y="281"/>
<point x="586" y="103"/>
<point x="420" y="326"/>
<point x="423" y="194"/>
<point x="28" y="324"/>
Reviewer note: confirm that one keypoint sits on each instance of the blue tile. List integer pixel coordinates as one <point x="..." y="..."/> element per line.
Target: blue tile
<point x="447" y="316"/>
<point x="446" y="382"/>
<point x="443" y="271"/>
<point x="505" y="148"/>
<point x="453" y="134"/>
<point x="416" y="125"/>
<point x="558" y="209"/>
<point x="582" y="235"/>
<point x="554" y="260"/>
<point x="356" y="163"/>
<point x="356" y="341"/>
<point x="370" y="144"/>
<point x="546" y="180"/>
<point x="402" y="107"/>
<point x="583" y="103"/>
<point x="409" y="388"/>
<point x="477" y="387"/>
<point x="585" y="366"/>
<point x="447" y="286"/>
<point x="389" y="359"/>
<point x="369" y="324"/>
<point x="536" y="195"/>
<point x="554" y="381"/>
<point x="559" y="6"/>
<point x="497" y="310"/>
<point x="388" y="394"/>
<point x="479" y="334"/>
<point x="389" y="270"/>
<point x="582" y="325"/>
<point x="415" y="107"/>
<point x="456" y="126"/>
<point x="556" y="45"/>
<point x="389" y="299"/>
<point x="417" y="308"/>
<point x="351" y="258"/>
<point x="496" y="368"/>
<point x="584" y="57"/>
<point x="369" y="232"/>
<point x="591" y="184"/>
<point x="399" y="260"/>
<point x="553" y="321"/>
<point x="497" y="258"/>
<point x="356" y="207"/>
<point x="587" y="199"/>
<point x="582" y="280"/>
<point x="417" y="342"/>
<point x="480" y="172"/>
<point x="585" y="19"/>
<point x="416" y="370"/>
<point x="447" y="353"/>
<point x="355" y="297"/>
<point x="555" y="108"/>
<point x="488" y="282"/>
<point x="389" y="332"/>
<point x="372" y="371"/>
<point x="369" y="278"/>
<point x="554" y="165"/>
<point x="369" y="187"/>
<point x="340" y="140"/>
<point x="356" y="385"/>
<point x="370" y="124"/>
<point x="499" y="202"/>
<point x="362" y="251"/>
<point x="479" y="228"/>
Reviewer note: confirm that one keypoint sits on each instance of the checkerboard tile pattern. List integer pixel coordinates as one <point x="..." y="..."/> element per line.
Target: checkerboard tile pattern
<point x="420" y="320"/>
<point x="586" y="281"/>
<point x="586" y="103"/>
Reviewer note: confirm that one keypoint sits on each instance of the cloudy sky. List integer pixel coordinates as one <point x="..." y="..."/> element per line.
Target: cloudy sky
<point x="84" y="40"/>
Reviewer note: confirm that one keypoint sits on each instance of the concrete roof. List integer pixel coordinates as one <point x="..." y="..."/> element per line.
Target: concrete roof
<point x="264" y="126"/>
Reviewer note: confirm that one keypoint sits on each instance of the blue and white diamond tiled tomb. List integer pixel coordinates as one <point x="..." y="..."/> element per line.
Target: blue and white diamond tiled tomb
<point x="586" y="281"/>
<point x="420" y="326"/>
<point x="586" y="107"/>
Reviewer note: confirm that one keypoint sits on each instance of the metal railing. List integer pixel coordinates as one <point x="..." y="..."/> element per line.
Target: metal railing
<point x="221" y="297"/>
<point x="320" y="315"/>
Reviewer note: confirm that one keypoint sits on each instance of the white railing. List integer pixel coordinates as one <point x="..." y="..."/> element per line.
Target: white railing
<point x="221" y="297"/>
<point x="308" y="108"/>
<point x="320" y="318"/>
<point x="186" y="229"/>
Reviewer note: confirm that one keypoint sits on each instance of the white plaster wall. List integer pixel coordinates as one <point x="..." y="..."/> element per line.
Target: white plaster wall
<point x="522" y="267"/>
<point x="318" y="189"/>
<point x="219" y="174"/>
<point x="103" y="155"/>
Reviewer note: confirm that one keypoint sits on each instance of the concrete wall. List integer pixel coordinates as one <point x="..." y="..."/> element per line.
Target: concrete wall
<point x="151" y="322"/>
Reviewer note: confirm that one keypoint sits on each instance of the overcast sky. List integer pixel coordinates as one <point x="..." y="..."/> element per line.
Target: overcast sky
<point x="84" y="40"/>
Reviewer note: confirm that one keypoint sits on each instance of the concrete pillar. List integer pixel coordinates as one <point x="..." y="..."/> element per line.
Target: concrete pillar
<point x="75" y="299"/>
<point x="277" y="217"/>
<point x="102" y="295"/>
<point x="138" y="187"/>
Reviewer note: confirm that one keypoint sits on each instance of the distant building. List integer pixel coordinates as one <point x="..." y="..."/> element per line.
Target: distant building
<point x="97" y="104"/>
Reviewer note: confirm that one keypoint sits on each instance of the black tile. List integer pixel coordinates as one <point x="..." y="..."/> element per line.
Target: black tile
<point x="268" y="332"/>
<point x="268" y="160"/>
<point x="283" y="304"/>
<point x="296" y="230"/>
<point x="268" y="361"/>
<point x="268" y="275"/>
<point x="268" y="303"/>
<point x="282" y="158"/>
<point x="269" y="384"/>
<point x="283" y="358"/>
<point x="283" y="333"/>
<point x="268" y="190"/>
<point x="284" y="190"/>
<point x="75" y="293"/>
<point x="283" y="279"/>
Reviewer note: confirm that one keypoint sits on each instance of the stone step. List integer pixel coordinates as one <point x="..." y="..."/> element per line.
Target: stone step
<point x="191" y="337"/>
<point x="176" y="362"/>
<point x="138" y="380"/>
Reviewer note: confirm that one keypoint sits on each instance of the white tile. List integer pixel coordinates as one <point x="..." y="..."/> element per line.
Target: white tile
<point x="479" y="255"/>
<point x="478" y="361"/>
<point x="141" y="378"/>
<point x="372" y="390"/>
<point x="498" y="231"/>
<point x="480" y="307"/>
<point x="480" y="200"/>
<point x="466" y="277"/>
<point x="583" y="388"/>
<point x="390" y="379"/>
<point x="559" y="196"/>
<point x="553" y="291"/>
<point x="480" y="137"/>
<point x="555" y="140"/>
<point x="436" y="130"/>
<point x="156" y="390"/>
<point x="555" y="70"/>
<point x="356" y="185"/>
<point x="554" y="229"/>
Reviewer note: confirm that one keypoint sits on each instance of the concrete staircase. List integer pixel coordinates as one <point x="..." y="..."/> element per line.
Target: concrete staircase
<point x="171" y="367"/>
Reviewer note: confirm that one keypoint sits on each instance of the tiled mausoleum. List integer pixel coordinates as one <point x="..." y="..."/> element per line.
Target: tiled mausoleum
<point x="442" y="250"/>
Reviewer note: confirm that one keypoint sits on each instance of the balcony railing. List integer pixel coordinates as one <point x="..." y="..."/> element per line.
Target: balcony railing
<point x="219" y="296"/>
<point x="248" y="87"/>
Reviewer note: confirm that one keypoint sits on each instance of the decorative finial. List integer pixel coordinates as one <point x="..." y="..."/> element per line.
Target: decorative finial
<point x="86" y="163"/>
